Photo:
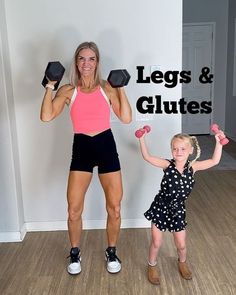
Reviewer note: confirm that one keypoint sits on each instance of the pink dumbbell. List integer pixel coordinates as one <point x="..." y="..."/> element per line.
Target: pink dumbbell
<point x="215" y="129"/>
<point x="139" y="133"/>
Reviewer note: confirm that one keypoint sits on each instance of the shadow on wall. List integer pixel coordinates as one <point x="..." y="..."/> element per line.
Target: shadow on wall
<point x="61" y="133"/>
<point x="110" y="46"/>
<point x="45" y="148"/>
<point x="46" y="164"/>
<point x="113" y="56"/>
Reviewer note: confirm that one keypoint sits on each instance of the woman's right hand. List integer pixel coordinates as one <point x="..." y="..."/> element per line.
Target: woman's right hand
<point x="51" y="82"/>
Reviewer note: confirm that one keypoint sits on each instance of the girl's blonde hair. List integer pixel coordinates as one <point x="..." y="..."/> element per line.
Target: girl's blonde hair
<point x="193" y="142"/>
<point x="74" y="72"/>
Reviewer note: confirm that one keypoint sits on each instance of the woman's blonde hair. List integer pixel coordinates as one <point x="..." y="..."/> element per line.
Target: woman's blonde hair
<point x="75" y="74"/>
<point x="193" y="142"/>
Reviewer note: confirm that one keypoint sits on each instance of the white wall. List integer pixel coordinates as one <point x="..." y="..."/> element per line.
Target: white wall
<point x="11" y="206"/>
<point x="215" y="11"/>
<point x="128" y="33"/>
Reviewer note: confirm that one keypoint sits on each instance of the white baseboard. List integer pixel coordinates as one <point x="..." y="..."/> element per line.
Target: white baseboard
<point x="87" y="224"/>
<point x="17" y="236"/>
<point x="62" y="225"/>
<point x="46" y="226"/>
<point x="6" y="237"/>
<point x="135" y="223"/>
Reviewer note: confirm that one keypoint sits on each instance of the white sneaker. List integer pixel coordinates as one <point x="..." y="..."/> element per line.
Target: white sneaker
<point x="113" y="262"/>
<point x="74" y="267"/>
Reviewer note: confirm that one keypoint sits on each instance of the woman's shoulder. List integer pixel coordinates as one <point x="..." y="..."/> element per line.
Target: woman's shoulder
<point x="106" y="86"/>
<point x="66" y="90"/>
<point x="67" y="87"/>
<point x="104" y="83"/>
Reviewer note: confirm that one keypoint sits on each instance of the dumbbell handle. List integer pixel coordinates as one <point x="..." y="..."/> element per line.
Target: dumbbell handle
<point x="139" y="133"/>
<point x="223" y="139"/>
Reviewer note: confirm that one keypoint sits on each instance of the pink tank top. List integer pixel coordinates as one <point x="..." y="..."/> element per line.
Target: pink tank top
<point x="90" y="112"/>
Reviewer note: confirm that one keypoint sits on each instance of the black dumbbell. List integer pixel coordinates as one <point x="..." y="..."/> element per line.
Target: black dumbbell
<point x="53" y="72"/>
<point x="118" y="78"/>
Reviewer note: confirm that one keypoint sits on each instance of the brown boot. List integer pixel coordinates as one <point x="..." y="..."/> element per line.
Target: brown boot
<point x="184" y="270"/>
<point x="153" y="275"/>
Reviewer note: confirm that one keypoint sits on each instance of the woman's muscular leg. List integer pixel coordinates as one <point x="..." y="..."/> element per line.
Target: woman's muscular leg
<point x="112" y="186"/>
<point x="78" y="183"/>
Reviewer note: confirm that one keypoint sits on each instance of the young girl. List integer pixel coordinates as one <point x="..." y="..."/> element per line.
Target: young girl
<point x="167" y="211"/>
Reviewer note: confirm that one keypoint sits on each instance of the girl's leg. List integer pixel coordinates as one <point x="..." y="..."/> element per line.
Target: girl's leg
<point x="156" y="242"/>
<point x="180" y="242"/>
<point x="157" y="237"/>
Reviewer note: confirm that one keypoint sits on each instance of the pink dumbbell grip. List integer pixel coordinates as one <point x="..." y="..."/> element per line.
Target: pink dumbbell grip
<point x="224" y="141"/>
<point x="139" y="133"/>
<point x="215" y="129"/>
<point x="147" y="128"/>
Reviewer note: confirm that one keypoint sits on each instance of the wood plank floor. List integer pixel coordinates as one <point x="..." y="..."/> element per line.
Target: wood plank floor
<point x="38" y="264"/>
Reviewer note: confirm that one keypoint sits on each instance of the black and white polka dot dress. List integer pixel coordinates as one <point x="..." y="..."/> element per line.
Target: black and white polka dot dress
<point x="167" y="211"/>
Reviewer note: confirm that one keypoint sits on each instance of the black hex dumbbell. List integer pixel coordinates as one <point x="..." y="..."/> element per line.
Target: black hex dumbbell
<point x="54" y="72"/>
<point x="118" y="78"/>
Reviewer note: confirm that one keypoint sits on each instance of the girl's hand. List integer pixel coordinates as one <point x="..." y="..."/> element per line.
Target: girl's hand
<point x="140" y="133"/>
<point x="219" y="136"/>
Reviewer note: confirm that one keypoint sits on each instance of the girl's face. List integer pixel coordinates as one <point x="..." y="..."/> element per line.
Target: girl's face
<point x="86" y="62"/>
<point x="181" y="149"/>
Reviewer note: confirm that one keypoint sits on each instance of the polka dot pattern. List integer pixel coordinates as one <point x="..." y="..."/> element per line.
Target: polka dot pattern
<point x="167" y="211"/>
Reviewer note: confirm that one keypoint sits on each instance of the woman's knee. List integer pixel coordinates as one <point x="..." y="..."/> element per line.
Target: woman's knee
<point x="114" y="211"/>
<point x="113" y="203"/>
<point x="74" y="214"/>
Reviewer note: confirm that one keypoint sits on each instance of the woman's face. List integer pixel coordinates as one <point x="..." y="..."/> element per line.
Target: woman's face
<point x="86" y="62"/>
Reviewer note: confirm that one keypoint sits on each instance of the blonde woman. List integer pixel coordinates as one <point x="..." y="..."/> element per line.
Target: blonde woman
<point x="90" y="99"/>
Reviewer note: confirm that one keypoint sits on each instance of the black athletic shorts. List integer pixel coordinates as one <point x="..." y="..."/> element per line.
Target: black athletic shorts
<point x="98" y="150"/>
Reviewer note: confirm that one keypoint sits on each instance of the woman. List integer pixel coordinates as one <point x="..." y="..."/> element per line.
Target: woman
<point x="89" y="99"/>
